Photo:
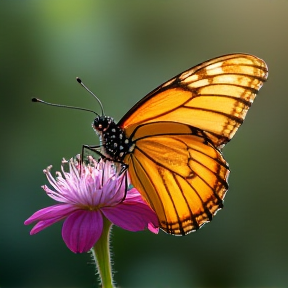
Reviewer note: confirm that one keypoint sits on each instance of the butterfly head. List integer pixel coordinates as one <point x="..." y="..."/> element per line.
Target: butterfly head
<point x="102" y="123"/>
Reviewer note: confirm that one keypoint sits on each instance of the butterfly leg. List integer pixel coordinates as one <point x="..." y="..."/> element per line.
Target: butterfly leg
<point x="94" y="149"/>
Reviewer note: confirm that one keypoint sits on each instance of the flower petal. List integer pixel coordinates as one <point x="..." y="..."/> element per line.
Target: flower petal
<point x="114" y="191"/>
<point x="44" y="224"/>
<point x="152" y="228"/>
<point x="133" y="196"/>
<point x="58" y="210"/>
<point x="132" y="216"/>
<point x="82" y="229"/>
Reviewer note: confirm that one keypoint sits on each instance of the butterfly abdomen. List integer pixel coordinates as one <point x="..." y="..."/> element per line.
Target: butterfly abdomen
<point x="115" y="145"/>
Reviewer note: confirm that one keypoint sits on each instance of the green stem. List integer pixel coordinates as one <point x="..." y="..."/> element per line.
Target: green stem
<point x="101" y="254"/>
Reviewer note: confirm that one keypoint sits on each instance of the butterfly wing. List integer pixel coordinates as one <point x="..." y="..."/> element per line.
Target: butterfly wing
<point x="178" y="130"/>
<point x="179" y="173"/>
<point x="213" y="96"/>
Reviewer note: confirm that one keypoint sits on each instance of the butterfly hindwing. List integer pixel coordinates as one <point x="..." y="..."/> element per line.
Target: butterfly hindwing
<point x="179" y="173"/>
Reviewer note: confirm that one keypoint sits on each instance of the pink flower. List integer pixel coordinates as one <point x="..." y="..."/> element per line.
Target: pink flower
<point x="85" y="198"/>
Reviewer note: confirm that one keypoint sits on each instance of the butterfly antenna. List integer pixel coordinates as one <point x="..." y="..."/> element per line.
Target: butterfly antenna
<point x="87" y="89"/>
<point x="62" y="106"/>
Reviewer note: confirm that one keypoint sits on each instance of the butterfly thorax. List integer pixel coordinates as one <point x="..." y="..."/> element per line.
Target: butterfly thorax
<point x="115" y="145"/>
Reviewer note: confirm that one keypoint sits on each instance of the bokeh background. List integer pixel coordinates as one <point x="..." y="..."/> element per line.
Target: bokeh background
<point x="122" y="50"/>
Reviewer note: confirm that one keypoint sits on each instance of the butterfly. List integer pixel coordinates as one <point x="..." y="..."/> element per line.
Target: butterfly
<point x="170" y="142"/>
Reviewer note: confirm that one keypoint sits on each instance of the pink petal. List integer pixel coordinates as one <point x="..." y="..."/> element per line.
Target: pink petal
<point x="114" y="190"/>
<point x="58" y="210"/>
<point x="135" y="196"/>
<point x="82" y="229"/>
<point x="44" y="224"/>
<point x="152" y="228"/>
<point x="133" y="216"/>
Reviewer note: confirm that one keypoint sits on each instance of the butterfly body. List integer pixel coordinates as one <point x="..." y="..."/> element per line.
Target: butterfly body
<point x="171" y="140"/>
<point x="115" y="145"/>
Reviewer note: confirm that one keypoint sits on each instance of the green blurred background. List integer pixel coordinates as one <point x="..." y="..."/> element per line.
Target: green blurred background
<point x="122" y="50"/>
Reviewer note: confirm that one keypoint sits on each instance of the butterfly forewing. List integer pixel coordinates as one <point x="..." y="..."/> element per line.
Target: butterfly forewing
<point x="213" y="96"/>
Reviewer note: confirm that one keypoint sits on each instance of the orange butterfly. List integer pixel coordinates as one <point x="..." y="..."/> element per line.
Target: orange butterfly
<point x="171" y="140"/>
